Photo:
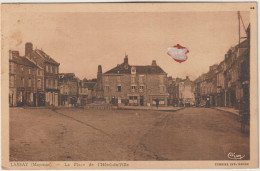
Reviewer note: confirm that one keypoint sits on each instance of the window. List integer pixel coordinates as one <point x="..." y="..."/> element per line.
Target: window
<point x="40" y="72"/>
<point x="30" y="71"/>
<point x="161" y="101"/>
<point x="133" y="88"/>
<point x="21" y="68"/>
<point x="133" y="70"/>
<point x="119" y="88"/>
<point x="50" y="69"/>
<point x="12" y="67"/>
<point x="12" y="81"/>
<point x="22" y="81"/>
<point x="47" y="68"/>
<point x="55" y="84"/>
<point x="162" y="89"/>
<point x="161" y="79"/>
<point x="47" y="83"/>
<point x="39" y="83"/>
<point x="50" y="83"/>
<point x="132" y="79"/>
<point x="141" y="79"/>
<point x="107" y="88"/>
<point x="30" y="82"/>
<point x="141" y="88"/>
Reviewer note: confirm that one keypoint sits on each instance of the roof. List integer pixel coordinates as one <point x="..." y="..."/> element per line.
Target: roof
<point x="126" y="69"/>
<point x="65" y="77"/>
<point x="89" y="85"/>
<point x="43" y="55"/>
<point x="243" y="44"/>
<point x="23" y="61"/>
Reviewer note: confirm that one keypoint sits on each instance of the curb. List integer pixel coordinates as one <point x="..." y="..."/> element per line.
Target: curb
<point x="150" y="109"/>
<point x="235" y="114"/>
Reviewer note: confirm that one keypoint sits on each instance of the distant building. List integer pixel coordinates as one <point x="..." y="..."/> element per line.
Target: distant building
<point x="227" y="84"/>
<point x="220" y="98"/>
<point x="22" y="81"/>
<point x="173" y="90"/>
<point x="135" y="85"/>
<point x="87" y="93"/>
<point x="186" y="92"/>
<point x="237" y="75"/>
<point x="68" y="84"/>
<point x="49" y="69"/>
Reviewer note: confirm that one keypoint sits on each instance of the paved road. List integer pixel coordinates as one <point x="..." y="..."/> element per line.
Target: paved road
<point x="194" y="134"/>
<point x="73" y="134"/>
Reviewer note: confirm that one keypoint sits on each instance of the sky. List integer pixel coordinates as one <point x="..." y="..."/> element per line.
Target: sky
<point x="81" y="41"/>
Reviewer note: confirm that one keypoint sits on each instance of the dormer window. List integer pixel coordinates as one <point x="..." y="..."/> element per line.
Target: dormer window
<point x="133" y="70"/>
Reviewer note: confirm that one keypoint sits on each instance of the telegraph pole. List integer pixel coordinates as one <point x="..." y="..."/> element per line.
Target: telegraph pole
<point x="239" y="36"/>
<point x="239" y="31"/>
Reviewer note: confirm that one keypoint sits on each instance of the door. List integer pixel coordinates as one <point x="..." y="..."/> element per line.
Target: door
<point x="141" y="100"/>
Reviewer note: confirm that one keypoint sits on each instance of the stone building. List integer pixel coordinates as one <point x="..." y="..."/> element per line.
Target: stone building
<point x="186" y="92"/>
<point x="227" y="84"/>
<point x="87" y="93"/>
<point x="49" y="70"/>
<point x="173" y="90"/>
<point x="22" y="81"/>
<point x="236" y="75"/>
<point x="68" y="84"/>
<point x="135" y="85"/>
<point x="220" y="97"/>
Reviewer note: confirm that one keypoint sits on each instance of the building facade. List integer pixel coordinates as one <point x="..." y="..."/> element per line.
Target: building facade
<point x="48" y="75"/>
<point x="135" y="85"/>
<point x="87" y="93"/>
<point x="227" y="84"/>
<point x="68" y="84"/>
<point x="22" y="81"/>
<point x="186" y="92"/>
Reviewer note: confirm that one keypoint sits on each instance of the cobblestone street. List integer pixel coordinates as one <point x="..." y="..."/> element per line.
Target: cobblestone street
<point x="85" y="135"/>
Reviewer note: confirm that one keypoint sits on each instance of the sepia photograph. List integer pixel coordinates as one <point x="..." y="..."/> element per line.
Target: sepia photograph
<point x="129" y="86"/>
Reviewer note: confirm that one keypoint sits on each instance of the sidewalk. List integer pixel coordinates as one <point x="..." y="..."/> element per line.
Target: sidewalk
<point x="169" y="108"/>
<point x="227" y="109"/>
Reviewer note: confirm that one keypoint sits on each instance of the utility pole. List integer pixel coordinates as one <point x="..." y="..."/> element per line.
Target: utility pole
<point x="239" y="31"/>
<point x="238" y="14"/>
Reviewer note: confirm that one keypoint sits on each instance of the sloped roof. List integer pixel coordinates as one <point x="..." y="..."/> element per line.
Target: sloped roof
<point x="126" y="69"/>
<point x="43" y="55"/>
<point x="23" y="61"/>
<point x="243" y="44"/>
<point x="65" y="77"/>
<point x="89" y="85"/>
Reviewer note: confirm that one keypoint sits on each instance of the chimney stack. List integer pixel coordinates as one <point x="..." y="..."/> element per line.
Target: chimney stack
<point x="28" y="48"/>
<point x="154" y="63"/>
<point x="14" y="54"/>
<point x="99" y="69"/>
<point x="126" y="59"/>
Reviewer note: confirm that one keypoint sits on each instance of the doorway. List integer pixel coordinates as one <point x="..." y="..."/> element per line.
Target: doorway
<point x="141" y="100"/>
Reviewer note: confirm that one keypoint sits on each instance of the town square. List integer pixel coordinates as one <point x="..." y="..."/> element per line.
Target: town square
<point x="123" y="135"/>
<point x="125" y="86"/>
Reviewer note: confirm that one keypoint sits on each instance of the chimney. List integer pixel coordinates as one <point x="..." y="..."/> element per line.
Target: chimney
<point x="154" y="63"/>
<point x="10" y="54"/>
<point x="126" y="59"/>
<point x="15" y="54"/>
<point x="28" y="48"/>
<point x="99" y="69"/>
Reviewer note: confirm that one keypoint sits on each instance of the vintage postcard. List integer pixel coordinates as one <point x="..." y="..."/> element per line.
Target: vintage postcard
<point x="129" y="86"/>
